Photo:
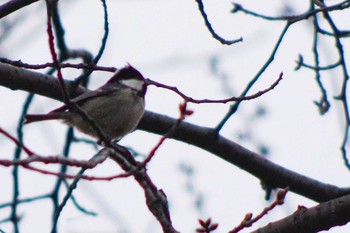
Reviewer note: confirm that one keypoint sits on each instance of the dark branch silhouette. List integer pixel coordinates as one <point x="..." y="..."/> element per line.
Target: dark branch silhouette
<point x="207" y="139"/>
<point x="17" y="75"/>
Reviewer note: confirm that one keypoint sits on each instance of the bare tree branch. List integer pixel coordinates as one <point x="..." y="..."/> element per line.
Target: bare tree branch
<point x="45" y="85"/>
<point x="318" y="218"/>
<point x="13" y="5"/>
<point x="205" y="138"/>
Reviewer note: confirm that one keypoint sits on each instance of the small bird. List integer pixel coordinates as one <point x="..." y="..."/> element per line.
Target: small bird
<point x="116" y="107"/>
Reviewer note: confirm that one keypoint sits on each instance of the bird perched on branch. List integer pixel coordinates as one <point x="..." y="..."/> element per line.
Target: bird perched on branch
<point x="116" y="107"/>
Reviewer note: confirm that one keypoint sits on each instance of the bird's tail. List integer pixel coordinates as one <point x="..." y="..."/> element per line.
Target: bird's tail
<point x="41" y="117"/>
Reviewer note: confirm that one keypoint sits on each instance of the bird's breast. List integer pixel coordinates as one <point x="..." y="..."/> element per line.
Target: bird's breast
<point x="116" y="114"/>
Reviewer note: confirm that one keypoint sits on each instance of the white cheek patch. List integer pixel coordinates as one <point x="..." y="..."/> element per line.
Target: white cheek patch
<point x="134" y="84"/>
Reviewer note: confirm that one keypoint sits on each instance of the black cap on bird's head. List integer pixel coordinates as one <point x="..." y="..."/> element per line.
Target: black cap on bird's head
<point x="125" y="73"/>
<point x="130" y="77"/>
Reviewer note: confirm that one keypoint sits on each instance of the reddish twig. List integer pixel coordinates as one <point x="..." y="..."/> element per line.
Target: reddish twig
<point x="51" y="40"/>
<point x="248" y="221"/>
<point x="149" y="81"/>
<point x="25" y="149"/>
<point x="33" y="157"/>
<point x="201" y="101"/>
<point x="102" y="136"/>
<point x="83" y="177"/>
<point x="184" y="112"/>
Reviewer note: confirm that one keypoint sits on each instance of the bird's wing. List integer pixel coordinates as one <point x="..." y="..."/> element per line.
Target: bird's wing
<point x="85" y="96"/>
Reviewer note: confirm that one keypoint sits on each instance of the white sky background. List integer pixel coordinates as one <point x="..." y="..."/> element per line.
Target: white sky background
<point x="168" y="42"/>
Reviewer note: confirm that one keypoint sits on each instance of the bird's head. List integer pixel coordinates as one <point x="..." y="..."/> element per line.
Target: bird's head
<point x="131" y="78"/>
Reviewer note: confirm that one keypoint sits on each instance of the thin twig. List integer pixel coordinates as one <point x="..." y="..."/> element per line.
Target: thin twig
<point x="207" y="101"/>
<point x="210" y="28"/>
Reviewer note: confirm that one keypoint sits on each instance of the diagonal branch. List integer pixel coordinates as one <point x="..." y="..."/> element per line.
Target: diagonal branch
<point x="201" y="137"/>
<point x="318" y="218"/>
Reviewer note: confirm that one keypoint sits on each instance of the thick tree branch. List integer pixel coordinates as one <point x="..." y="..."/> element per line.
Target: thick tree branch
<point x="202" y="137"/>
<point x="272" y="174"/>
<point x="318" y="218"/>
<point x="21" y="79"/>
